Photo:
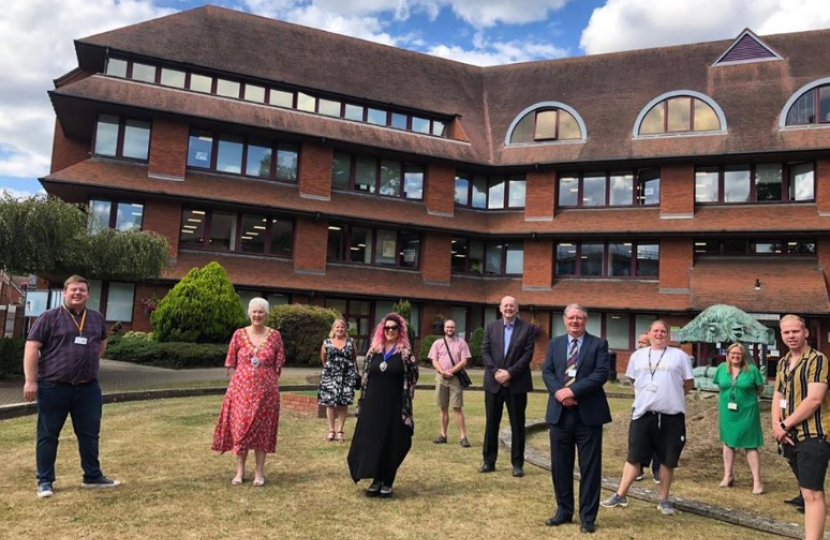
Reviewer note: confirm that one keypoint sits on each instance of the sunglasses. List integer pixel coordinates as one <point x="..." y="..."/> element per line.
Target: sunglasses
<point x="390" y="328"/>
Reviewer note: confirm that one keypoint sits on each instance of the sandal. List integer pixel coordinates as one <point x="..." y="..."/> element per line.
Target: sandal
<point x="330" y="436"/>
<point x="237" y="481"/>
<point x="341" y="437"/>
<point x="258" y="482"/>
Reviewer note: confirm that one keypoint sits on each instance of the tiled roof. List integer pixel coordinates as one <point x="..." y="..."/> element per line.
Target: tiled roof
<point x="607" y="90"/>
<point x="787" y="286"/>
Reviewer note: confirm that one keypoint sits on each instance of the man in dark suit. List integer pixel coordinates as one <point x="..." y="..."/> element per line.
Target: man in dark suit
<point x="507" y="350"/>
<point x="576" y="367"/>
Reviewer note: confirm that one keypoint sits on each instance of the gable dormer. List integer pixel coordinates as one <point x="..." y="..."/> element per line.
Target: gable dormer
<point x="747" y="47"/>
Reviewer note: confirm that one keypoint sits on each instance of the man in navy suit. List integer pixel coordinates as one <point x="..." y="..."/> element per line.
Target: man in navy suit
<point x="507" y="350"/>
<point x="575" y="370"/>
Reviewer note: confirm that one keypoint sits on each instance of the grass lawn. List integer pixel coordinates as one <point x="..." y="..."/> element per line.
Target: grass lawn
<point x="175" y="487"/>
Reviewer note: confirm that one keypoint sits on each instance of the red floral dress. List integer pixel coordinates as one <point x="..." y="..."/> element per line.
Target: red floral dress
<point x="251" y="409"/>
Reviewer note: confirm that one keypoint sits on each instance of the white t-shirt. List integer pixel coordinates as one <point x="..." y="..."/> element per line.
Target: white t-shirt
<point x="659" y="388"/>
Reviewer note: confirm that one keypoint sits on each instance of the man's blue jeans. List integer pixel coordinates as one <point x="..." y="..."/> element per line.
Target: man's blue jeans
<point x="83" y="403"/>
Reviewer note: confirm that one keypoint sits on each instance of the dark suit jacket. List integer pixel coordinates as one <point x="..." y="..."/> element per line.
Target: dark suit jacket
<point x="592" y="367"/>
<point x="517" y="360"/>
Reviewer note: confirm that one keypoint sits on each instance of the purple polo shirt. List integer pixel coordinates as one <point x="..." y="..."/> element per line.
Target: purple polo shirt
<point x="61" y="358"/>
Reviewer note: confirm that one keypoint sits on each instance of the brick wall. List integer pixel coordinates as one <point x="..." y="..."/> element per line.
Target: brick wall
<point x="168" y="149"/>
<point x="435" y="263"/>
<point x="66" y="152"/>
<point x="677" y="190"/>
<point x="538" y="264"/>
<point x="540" y="206"/>
<point x="310" y="244"/>
<point x="822" y="176"/>
<point x="439" y="192"/>
<point x="301" y="405"/>
<point x="676" y="258"/>
<point x="164" y="217"/>
<point x="315" y="170"/>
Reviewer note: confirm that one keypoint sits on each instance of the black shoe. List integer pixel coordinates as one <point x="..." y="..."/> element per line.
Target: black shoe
<point x="486" y="467"/>
<point x="374" y="489"/>
<point x="587" y="528"/>
<point x="518" y="472"/>
<point x="558" y="519"/>
<point x="798" y="500"/>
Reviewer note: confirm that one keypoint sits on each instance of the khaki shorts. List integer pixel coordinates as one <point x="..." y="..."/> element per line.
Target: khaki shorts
<point x="448" y="392"/>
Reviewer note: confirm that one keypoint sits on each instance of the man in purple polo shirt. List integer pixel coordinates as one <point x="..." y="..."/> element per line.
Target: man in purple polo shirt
<point x="61" y="362"/>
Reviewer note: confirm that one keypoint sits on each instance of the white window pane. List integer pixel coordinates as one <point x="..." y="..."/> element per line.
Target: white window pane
<point x="120" y="302"/>
<point x="616" y="331"/>
<point x="172" y="77"/>
<point x="227" y="88"/>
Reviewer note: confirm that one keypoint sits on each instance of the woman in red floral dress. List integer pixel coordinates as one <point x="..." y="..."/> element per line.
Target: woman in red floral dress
<point x="251" y="409"/>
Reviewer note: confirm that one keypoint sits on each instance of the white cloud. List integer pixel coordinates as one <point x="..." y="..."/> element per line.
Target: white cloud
<point x="37" y="47"/>
<point x="497" y="53"/>
<point x="636" y="24"/>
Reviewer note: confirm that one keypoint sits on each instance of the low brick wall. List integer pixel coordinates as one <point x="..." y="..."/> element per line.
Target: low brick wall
<point x="301" y="405"/>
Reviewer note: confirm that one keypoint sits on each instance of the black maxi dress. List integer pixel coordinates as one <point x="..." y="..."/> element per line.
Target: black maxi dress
<point x="381" y="439"/>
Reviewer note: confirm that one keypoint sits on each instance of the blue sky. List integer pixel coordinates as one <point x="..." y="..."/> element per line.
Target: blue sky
<point x="37" y="45"/>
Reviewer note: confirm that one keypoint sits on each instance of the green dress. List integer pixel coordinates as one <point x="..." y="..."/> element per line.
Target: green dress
<point x="740" y="428"/>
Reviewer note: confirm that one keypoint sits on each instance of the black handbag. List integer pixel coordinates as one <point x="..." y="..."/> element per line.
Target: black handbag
<point x="463" y="378"/>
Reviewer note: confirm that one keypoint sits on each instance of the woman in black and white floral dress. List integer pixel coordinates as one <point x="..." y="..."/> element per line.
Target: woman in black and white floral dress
<point x="338" y="380"/>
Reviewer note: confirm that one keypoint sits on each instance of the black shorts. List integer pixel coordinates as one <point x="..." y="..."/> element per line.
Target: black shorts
<point x="657" y="433"/>
<point x="808" y="460"/>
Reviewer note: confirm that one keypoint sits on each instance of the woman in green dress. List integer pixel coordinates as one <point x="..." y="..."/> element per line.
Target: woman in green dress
<point x="740" y="385"/>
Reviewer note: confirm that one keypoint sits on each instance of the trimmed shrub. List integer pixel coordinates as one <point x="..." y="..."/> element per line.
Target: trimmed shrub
<point x="303" y="329"/>
<point x="174" y="355"/>
<point x="11" y="357"/>
<point x="202" y="308"/>
<point x="426" y="345"/>
<point x="132" y="334"/>
<point x="475" y="346"/>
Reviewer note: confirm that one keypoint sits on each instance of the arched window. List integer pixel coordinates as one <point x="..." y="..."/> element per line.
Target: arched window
<point x="680" y="112"/>
<point x="546" y="122"/>
<point x="810" y="105"/>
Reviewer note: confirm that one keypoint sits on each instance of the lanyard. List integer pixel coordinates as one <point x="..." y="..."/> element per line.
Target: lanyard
<point x="388" y="355"/>
<point x="654" y="370"/>
<point x="80" y="327"/>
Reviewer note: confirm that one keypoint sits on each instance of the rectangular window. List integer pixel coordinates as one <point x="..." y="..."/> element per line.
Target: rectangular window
<point x="493" y="257"/>
<point x="479" y="191"/>
<point x="227" y="88"/>
<point x="201" y="83"/>
<point x="679" y="110"/>
<point x="495" y="194"/>
<point x="621" y="189"/>
<point x="612" y="259"/>
<point x="229" y="154"/>
<point x="390" y="178"/>
<point x="376" y="116"/>
<point x="593" y="190"/>
<point x="438" y="128"/>
<point x="648" y="260"/>
<point x="306" y="102"/>
<point x="100" y="212"/>
<point x="329" y="107"/>
<point x="565" y="259"/>
<point x="245" y="233"/>
<point x="354" y="112"/>
<point x="391" y="248"/>
<point x="120" y="302"/>
<point x="281" y="98"/>
<point x="252" y="238"/>
<point x="222" y="235"/>
<point x="462" y="189"/>
<point x="136" y="139"/>
<point x="254" y="93"/>
<point x="200" y="149"/>
<point x="568" y="191"/>
<point x="591" y="259"/>
<point x="545" y="125"/>
<point x="258" y="160"/>
<point x="125" y="138"/>
<point x="399" y="121"/>
<point x="612" y="188"/>
<point x="619" y="259"/>
<point x="128" y="216"/>
<point x="648" y="187"/>
<point x="193" y="228"/>
<point x="282" y="237"/>
<point x="736" y="184"/>
<point x="117" y="67"/>
<point x="801" y="182"/>
<point x="360" y="245"/>
<point x="288" y="159"/>
<point x="514" y="258"/>
<point x="420" y="125"/>
<point x="763" y="182"/>
<point x="365" y="174"/>
<point x="106" y="135"/>
<point x="173" y="77"/>
<point x="341" y="169"/>
<point x="386" y="247"/>
<point x="617" y="330"/>
<point x="413" y="182"/>
<point x="765" y="247"/>
<point x="768" y="182"/>
<point x="706" y="185"/>
<point x="144" y="72"/>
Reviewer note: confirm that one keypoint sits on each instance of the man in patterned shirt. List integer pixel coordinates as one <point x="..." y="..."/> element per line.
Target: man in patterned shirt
<point x="60" y="363"/>
<point x="801" y="419"/>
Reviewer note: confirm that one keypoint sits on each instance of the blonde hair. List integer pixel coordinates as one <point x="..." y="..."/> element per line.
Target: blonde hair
<point x="339" y="320"/>
<point x="744" y="363"/>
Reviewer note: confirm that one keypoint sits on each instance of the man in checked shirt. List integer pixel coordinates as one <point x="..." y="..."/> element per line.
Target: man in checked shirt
<point x="61" y="360"/>
<point x="801" y="419"/>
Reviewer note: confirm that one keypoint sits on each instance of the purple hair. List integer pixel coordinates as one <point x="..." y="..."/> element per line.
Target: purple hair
<point x="378" y="339"/>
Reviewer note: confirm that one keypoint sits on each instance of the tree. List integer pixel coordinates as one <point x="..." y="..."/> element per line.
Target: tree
<point x="202" y="308"/>
<point x="303" y="329"/>
<point x="45" y="235"/>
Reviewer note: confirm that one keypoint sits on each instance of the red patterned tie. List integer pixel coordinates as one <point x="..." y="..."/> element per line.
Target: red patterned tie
<point x="573" y="354"/>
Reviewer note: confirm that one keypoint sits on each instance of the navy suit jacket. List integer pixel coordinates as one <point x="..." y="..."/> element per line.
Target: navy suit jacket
<point x="517" y="360"/>
<point x="592" y="367"/>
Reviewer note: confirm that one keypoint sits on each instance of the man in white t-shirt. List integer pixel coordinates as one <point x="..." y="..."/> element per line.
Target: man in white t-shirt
<point x="662" y="377"/>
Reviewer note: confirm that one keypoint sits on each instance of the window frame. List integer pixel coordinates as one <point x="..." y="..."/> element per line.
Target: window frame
<point x="120" y="138"/>
<point x="752" y="197"/>
<point x="344" y="246"/>
<point x="702" y="247"/>
<point x="237" y="239"/>
<point x="403" y="169"/>
<point x="638" y="188"/>
<point x="112" y="220"/>
<point x="490" y="181"/>
<point x="663" y="101"/>
<point x="276" y="146"/>
<point x="605" y="265"/>
<point x="486" y="245"/>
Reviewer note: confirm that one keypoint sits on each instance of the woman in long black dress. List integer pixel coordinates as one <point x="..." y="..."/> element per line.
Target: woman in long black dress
<point x="338" y="379"/>
<point x="383" y="435"/>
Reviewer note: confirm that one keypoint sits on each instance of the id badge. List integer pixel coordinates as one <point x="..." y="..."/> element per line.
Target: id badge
<point x="783" y="403"/>
<point x="651" y="387"/>
<point x="732" y="406"/>
<point x="571" y="372"/>
<point x="80" y="340"/>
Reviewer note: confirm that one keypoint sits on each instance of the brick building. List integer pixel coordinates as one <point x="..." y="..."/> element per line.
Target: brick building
<point x="329" y="170"/>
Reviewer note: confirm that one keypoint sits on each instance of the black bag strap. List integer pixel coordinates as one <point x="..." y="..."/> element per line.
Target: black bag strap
<point x="447" y="345"/>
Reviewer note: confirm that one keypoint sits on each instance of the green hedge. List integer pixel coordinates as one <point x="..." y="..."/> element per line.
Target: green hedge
<point x="426" y="345"/>
<point x="303" y="329"/>
<point x="174" y="355"/>
<point x="474" y="343"/>
<point x="11" y="357"/>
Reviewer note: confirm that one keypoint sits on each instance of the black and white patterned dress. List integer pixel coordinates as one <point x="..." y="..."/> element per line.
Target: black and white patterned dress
<point x="339" y="375"/>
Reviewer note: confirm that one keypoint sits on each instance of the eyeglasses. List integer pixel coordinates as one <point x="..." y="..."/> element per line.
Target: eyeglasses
<point x="390" y="328"/>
